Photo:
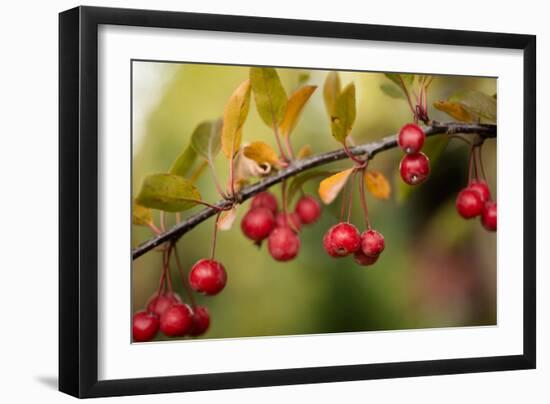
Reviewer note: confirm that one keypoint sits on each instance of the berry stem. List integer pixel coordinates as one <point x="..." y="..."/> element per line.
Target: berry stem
<point x="480" y="157"/>
<point x="283" y="197"/>
<point x="188" y="290"/>
<point x="470" y="162"/>
<point x="350" y="202"/>
<point x="363" y="197"/>
<point x="215" y="236"/>
<point x="343" y="208"/>
<point x="167" y="254"/>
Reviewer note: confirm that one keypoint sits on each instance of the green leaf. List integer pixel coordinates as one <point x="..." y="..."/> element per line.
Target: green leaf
<point x="141" y="216"/>
<point x="343" y="116"/>
<point x="407" y="79"/>
<point x="299" y="181"/>
<point x="477" y="103"/>
<point x="234" y="116"/>
<point x="331" y="91"/>
<point x="303" y="78"/>
<point x="206" y="139"/>
<point x="184" y="162"/>
<point x="392" y="90"/>
<point x="269" y="94"/>
<point x="168" y="192"/>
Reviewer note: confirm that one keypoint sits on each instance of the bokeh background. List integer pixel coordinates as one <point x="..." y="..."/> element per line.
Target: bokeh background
<point x="437" y="270"/>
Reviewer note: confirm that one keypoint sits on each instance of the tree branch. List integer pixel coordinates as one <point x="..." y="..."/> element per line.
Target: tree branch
<point x="298" y="166"/>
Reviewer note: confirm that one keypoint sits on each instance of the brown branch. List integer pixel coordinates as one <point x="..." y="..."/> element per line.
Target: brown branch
<point x="298" y="166"/>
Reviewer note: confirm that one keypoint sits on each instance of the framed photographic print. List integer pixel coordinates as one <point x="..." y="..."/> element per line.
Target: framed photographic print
<point x="250" y="201"/>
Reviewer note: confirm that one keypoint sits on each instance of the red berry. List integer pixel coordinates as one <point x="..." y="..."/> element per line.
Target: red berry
<point x="482" y="190"/>
<point x="283" y="244"/>
<point x="308" y="209"/>
<point x="411" y="138"/>
<point x="207" y="276"/>
<point x="291" y="220"/>
<point x="414" y="168"/>
<point x="468" y="203"/>
<point x="258" y="223"/>
<point x="177" y="320"/>
<point x="489" y="216"/>
<point x="144" y="326"/>
<point x="201" y="321"/>
<point x="158" y="304"/>
<point x="265" y="200"/>
<point x="341" y="239"/>
<point x="372" y="243"/>
<point x="362" y="259"/>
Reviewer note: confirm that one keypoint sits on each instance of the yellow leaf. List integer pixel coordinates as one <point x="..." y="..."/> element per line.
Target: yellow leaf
<point x="227" y="218"/>
<point x="294" y="108"/>
<point x="343" y="115"/>
<point x="331" y="91"/>
<point x="304" y="152"/>
<point x="454" y="109"/>
<point x="141" y="215"/>
<point x="377" y="184"/>
<point x="261" y="153"/>
<point x="234" y="116"/>
<point x="330" y="187"/>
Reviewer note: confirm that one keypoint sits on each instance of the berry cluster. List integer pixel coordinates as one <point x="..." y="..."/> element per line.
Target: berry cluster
<point x="415" y="165"/>
<point x="475" y="200"/>
<point x="344" y="239"/>
<point x="165" y="311"/>
<point x="281" y="229"/>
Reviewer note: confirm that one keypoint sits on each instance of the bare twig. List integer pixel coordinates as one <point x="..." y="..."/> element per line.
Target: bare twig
<point x="298" y="166"/>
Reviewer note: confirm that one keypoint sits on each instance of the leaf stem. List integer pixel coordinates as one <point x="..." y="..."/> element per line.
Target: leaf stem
<point x="215" y="236"/>
<point x="363" y="198"/>
<point x="288" y="145"/>
<point x="279" y="144"/>
<point x="215" y="178"/>
<point x="188" y="290"/>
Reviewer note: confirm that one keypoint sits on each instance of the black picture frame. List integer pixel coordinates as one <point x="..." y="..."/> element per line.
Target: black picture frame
<point x="78" y="201"/>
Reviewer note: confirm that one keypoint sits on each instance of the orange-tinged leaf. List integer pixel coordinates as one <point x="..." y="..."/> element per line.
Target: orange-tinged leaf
<point x="227" y="218"/>
<point x="377" y="184"/>
<point x="330" y="187"/>
<point x="294" y="108"/>
<point x="234" y="116"/>
<point x="261" y="153"/>
<point x="454" y="109"/>
<point x="304" y="152"/>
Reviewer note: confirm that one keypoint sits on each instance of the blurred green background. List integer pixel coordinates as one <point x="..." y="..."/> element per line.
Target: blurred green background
<point x="437" y="270"/>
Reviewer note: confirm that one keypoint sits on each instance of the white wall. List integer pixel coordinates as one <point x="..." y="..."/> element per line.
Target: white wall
<point x="28" y="198"/>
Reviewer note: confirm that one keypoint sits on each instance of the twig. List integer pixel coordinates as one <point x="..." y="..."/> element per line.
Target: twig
<point x="298" y="166"/>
